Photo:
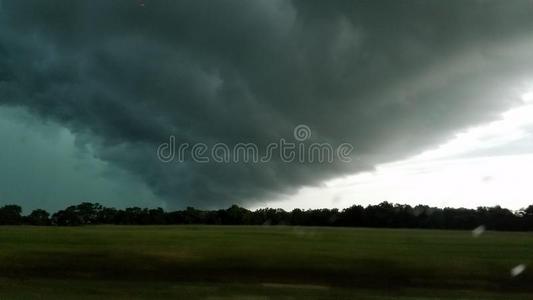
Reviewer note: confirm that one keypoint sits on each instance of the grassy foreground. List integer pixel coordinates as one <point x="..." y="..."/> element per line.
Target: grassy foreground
<point x="215" y="262"/>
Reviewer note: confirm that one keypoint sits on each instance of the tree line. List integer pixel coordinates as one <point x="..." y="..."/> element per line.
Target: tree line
<point x="383" y="215"/>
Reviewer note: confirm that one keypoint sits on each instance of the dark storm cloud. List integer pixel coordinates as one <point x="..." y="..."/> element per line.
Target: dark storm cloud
<point x="43" y="168"/>
<point x="390" y="77"/>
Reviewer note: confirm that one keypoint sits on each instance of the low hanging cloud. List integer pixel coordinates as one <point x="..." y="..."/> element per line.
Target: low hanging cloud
<point x="392" y="78"/>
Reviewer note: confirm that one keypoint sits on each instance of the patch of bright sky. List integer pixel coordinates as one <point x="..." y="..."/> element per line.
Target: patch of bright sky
<point x="479" y="167"/>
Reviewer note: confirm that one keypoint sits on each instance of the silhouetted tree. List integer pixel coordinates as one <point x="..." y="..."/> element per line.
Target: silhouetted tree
<point x="384" y="214"/>
<point x="107" y="216"/>
<point x="67" y="217"/>
<point x="10" y="215"/>
<point x="235" y="215"/>
<point x="88" y="212"/>
<point x="527" y="218"/>
<point x="39" y="217"/>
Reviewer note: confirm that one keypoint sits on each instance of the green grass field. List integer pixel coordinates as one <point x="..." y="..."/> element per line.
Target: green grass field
<point x="216" y="262"/>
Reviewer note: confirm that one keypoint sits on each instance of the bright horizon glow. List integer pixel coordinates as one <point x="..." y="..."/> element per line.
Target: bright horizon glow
<point x="487" y="165"/>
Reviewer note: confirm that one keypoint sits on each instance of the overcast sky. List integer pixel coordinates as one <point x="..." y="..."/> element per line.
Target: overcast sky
<point x="434" y="96"/>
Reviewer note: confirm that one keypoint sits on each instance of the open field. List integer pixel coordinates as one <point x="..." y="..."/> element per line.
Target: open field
<point x="191" y="262"/>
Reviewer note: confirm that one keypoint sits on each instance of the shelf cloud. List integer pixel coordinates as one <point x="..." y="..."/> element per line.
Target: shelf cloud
<point x="391" y="78"/>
